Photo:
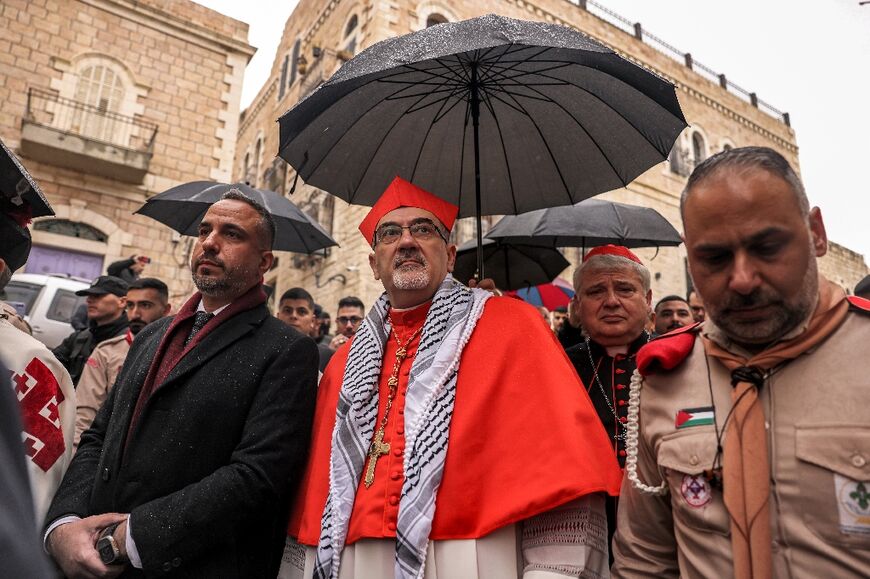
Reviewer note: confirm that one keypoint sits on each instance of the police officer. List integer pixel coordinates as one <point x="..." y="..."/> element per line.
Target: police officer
<point x="749" y="449"/>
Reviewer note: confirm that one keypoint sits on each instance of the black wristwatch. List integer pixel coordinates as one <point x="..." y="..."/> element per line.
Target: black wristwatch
<point x="107" y="546"/>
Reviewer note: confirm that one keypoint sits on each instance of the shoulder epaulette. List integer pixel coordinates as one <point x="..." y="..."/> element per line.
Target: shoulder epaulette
<point x="858" y="304"/>
<point x="667" y="351"/>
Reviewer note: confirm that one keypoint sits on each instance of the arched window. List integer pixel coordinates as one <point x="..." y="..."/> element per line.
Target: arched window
<point x="258" y="159"/>
<point x="70" y="229"/>
<point x="294" y="63"/>
<point x="435" y="18"/>
<point x="699" y="148"/>
<point x="351" y="32"/>
<point x="351" y="25"/>
<point x="102" y="92"/>
<point x="246" y="167"/>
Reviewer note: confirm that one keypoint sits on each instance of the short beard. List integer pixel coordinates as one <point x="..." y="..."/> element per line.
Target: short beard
<point x="231" y="284"/>
<point x="414" y="277"/>
<point x="784" y="318"/>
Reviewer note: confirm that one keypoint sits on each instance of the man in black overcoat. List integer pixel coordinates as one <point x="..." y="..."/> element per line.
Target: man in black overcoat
<point x="188" y="467"/>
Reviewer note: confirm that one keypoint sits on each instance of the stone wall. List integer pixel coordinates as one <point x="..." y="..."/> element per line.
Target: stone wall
<point x="180" y="65"/>
<point x="720" y="117"/>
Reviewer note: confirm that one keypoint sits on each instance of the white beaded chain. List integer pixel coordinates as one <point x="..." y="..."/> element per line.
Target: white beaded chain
<point x="631" y="437"/>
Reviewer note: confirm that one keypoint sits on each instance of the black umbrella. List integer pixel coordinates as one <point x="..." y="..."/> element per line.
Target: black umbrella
<point x="499" y="116"/>
<point x="511" y="266"/>
<point x="588" y="223"/>
<point x="183" y="207"/>
<point x="18" y="186"/>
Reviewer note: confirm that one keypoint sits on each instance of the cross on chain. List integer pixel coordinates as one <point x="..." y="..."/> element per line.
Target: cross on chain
<point x="377" y="449"/>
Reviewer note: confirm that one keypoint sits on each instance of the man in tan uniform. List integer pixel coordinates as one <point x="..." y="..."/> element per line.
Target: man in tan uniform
<point x="770" y="476"/>
<point x="147" y="301"/>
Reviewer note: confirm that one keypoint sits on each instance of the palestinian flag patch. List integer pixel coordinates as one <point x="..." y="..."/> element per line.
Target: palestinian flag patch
<point x="694" y="417"/>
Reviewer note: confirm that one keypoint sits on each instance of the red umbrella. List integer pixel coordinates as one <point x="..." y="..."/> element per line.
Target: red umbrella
<point x="550" y="295"/>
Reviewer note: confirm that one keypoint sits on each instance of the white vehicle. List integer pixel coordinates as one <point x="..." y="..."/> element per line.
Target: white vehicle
<point x="46" y="302"/>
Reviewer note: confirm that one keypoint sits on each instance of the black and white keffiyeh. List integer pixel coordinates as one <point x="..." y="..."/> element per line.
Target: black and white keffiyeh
<point x="429" y="400"/>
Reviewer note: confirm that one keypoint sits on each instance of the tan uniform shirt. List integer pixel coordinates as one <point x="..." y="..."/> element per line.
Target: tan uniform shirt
<point x="818" y="419"/>
<point x="9" y="314"/>
<point x="98" y="376"/>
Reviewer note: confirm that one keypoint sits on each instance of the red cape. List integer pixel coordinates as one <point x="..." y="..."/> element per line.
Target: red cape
<point x="524" y="437"/>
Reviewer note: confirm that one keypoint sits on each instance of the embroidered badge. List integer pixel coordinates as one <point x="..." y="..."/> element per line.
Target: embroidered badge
<point x="696" y="490"/>
<point x="694" y="417"/>
<point x="853" y="502"/>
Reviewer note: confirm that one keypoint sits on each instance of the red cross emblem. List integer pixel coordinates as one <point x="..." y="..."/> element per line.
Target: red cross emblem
<point x="39" y="396"/>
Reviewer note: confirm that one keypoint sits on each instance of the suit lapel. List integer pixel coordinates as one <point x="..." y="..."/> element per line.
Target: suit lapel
<point x="216" y="341"/>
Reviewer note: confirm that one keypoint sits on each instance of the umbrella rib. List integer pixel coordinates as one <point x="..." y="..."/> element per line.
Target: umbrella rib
<point x="378" y="148"/>
<point x="434" y="120"/>
<point x="346" y="132"/>
<point x="609" y="106"/>
<point x="547" y="146"/>
<point x="591" y="138"/>
<point x="503" y="148"/>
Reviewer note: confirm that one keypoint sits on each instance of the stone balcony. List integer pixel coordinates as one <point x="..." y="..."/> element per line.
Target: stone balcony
<point x="86" y="138"/>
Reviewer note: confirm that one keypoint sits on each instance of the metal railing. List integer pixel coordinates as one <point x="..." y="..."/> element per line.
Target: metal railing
<point x="91" y="122"/>
<point x="685" y="58"/>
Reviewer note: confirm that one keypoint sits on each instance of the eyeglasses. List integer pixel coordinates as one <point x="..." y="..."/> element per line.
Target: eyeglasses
<point x="422" y="230"/>
<point x="345" y="320"/>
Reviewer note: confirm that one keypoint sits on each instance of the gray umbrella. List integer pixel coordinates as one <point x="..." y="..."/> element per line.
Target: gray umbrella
<point x="587" y="224"/>
<point x="496" y="115"/>
<point x="511" y="266"/>
<point x="183" y="207"/>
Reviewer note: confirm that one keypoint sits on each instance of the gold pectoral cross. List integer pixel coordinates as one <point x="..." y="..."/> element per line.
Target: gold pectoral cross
<point x="377" y="449"/>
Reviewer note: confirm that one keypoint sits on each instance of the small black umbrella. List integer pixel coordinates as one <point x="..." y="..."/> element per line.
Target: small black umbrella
<point x="511" y="266"/>
<point x="496" y="115"/>
<point x="588" y="223"/>
<point x="18" y="186"/>
<point x="183" y="207"/>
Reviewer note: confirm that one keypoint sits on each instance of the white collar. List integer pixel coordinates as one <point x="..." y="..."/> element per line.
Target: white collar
<point x="201" y="308"/>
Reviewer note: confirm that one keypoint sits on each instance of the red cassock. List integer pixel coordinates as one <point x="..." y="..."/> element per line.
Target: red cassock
<point x="524" y="437"/>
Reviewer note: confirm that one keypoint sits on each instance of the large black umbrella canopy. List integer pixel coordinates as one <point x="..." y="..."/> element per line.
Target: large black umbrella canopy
<point x="511" y="266"/>
<point x="586" y="224"/>
<point x="18" y="186"/>
<point x="183" y="207"/>
<point x="496" y="115"/>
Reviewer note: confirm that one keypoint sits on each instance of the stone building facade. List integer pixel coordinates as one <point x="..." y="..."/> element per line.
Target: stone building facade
<point x="108" y="102"/>
<point x="320" y="35"/>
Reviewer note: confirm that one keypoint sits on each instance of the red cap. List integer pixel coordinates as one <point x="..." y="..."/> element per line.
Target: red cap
<point x="401" y="193"/>
<point x="611" y="249"/>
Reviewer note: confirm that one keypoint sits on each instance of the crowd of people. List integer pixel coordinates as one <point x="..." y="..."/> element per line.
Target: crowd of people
<point x="448" y="430"/>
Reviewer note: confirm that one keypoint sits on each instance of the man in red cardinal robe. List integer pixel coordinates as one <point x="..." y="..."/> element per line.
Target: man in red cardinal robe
<point x="452" y="436"/>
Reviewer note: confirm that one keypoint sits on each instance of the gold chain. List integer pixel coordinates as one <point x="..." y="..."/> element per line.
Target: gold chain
<point x="378" y="447"/>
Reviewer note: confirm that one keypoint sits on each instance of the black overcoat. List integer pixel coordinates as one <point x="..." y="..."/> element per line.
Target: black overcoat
<point x="208" y="473"/>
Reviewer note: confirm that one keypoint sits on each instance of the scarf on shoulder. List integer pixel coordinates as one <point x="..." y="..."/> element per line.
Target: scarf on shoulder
<point x="429" y="402"/>
<point x="172" y="347"/>
<point x="746" y="468"/>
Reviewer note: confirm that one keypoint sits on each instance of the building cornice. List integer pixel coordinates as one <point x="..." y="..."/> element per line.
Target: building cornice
<point x="170" y="24"/>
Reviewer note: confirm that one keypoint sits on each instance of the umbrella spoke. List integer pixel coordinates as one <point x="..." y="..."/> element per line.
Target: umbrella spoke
<point x="549" y="150"/>
<point x="447" y="112"/>
<point x="378" y="148"/>
<point x="491" y="109"/>
<point x="618" y="113"/>
<point x="348" y="130"/>
<point x="435" y="119"/>
<point x="591" y="138"/>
